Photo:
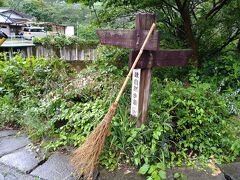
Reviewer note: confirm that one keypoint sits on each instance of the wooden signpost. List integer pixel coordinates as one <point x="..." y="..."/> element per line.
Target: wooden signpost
<point x="151" y="57"/>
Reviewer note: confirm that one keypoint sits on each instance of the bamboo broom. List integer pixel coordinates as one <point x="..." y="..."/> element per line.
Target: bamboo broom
<point x="85" y="158"/>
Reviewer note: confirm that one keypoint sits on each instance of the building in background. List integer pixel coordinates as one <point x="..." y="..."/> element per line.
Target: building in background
<point x="12" y="21"/>
<point x="55" y="29"/>
<point x="69" y="31"/>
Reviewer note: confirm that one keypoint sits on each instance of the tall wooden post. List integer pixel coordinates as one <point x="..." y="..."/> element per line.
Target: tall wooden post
<point x="152" y="57"/>
<point x="144" y="22"/>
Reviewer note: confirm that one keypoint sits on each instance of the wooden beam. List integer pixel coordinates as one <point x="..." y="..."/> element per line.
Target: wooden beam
<point x="132" y="39"/>
<point x="162" y="58"/>
<point x="144" y="22"/>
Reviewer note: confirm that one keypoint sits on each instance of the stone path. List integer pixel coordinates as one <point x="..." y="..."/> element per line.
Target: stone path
<point x="19" y="162"/>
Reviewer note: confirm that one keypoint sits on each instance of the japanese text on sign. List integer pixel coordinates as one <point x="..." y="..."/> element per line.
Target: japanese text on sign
<point x="135" y="92"/>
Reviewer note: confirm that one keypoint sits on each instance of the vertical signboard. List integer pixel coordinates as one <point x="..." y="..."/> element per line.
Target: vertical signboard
<point x="135" y="92"/>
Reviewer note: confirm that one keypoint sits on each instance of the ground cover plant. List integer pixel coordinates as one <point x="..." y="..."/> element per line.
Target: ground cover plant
<point x="28" y="88"/>
<point x="190" y="118"/>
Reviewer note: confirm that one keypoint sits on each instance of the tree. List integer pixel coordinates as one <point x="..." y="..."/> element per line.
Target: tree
<point x="52" y="11"/>
<point x="206" y="26"/>
<point x="1" y="3"/>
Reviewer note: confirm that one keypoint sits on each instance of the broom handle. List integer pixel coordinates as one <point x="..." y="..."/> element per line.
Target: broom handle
<point x="134" y="64"/>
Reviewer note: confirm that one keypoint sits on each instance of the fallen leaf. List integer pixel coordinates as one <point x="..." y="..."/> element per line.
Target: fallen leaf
<point x="215" y="169"/>
<point x="127" y="172"/>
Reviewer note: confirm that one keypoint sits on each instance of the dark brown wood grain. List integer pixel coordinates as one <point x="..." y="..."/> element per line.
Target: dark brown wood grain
<point x="132" y="39"/>
<point x="162" y="58"/>
<point x="151" y="57"/>
<point x="144" y="22"/>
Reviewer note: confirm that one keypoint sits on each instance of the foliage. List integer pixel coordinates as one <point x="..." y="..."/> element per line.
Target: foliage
<point x="87" y="32"/>
<point x="52" y="11"/>
<point x="208" y="27"/>
<point x="30" y="91"/>
<point x="188" y="122"/>
<point x="224" y="73"/>
<point x="196" y="127"/>
<point x="182" y="128"/>
<point x="225" y="70"/>
<point x="1" y="3"/>
<point x="193" y="115"/>
<point x="60" y="41"/>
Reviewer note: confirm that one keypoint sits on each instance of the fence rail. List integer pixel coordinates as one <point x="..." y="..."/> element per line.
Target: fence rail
<point x="66" y="53"/>
<point x="27" y="49"/>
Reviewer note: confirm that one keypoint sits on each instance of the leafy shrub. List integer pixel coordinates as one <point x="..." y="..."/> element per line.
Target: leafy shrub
<point x="188" y="122"/>
<point x="29" y="89"/>
<point x="199" y="118"/>
<point x="224" y="74"/>
<point x="224" y="71"/>
<point x="60" y="41"/>
<point x="87" y="32"/>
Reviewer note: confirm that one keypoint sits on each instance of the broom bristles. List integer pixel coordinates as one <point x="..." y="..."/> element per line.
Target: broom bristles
<point x="85" y="158"/>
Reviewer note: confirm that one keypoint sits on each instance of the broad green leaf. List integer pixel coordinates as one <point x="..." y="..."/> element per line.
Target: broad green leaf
<point x="155" y="176"/>
<point x="144" y="169"/>
<point x="162" y="174"/>
<point x="152" y="168"/>
<point x="176" y="175"/>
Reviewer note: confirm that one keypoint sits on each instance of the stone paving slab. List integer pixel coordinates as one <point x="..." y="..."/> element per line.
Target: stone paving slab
<point x="194" y="174"/>
<point x="23" y="159"/>
<point x="5" y="133"/>
<point x="9" y="173"/>
<point x="57" y="167"/>
<point x="12" y="143"/>
<point x="232" y="170"/>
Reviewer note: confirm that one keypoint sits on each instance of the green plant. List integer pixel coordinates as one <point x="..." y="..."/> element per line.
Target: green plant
<point x="87" y="32"/>
<point x="180" y="176"/>
<point x="30" y="92"/>
<point x="156" y="171"/>
<point x="199" y="117"/>
<point x="60" y="41"/>
<point x="188" y="122"/>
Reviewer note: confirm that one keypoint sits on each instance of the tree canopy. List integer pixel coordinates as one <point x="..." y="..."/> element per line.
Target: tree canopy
<point x="193" y="111"/>
<point x="52" y="11"/>
<point x="206" y="26"/>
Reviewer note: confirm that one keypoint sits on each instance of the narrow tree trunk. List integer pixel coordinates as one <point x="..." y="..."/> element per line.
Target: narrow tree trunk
<point x="186" y="17"/>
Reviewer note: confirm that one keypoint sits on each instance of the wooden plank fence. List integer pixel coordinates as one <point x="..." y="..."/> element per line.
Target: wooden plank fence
<point x="66" y="53"/>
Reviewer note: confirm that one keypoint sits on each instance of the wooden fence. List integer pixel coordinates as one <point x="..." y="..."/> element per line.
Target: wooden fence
<point x="66" y="53"/>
